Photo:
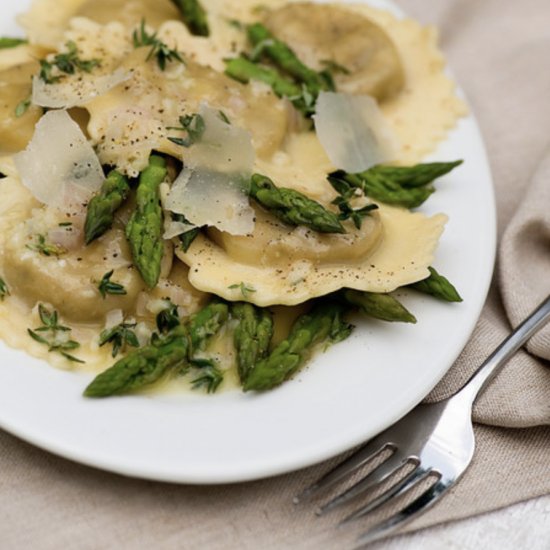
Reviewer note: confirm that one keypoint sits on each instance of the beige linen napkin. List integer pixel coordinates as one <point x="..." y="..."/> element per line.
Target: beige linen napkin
<point x="499" y="52"/>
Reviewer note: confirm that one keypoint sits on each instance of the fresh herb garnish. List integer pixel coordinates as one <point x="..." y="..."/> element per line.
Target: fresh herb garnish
<point x="346" y="194"/>
<point x="224" y="117"/>
<point x="7" y="42"/>
<point x="159" y="49"/>
<point x="193" y="125"/>
<point x="188" y="237"/>
<point x="334" y="67"/>
<point x="54" y="335"/>
<point x="67" y="62"/>
<point x="168" y="318"/>
<point x="236" y="24"/>
<point x="120" y="336"/>
<point x="305" y="101"/>
<point x="22" y="107"/>
<point x="47" y="249"/>
<point x="106" y="286"/>
<point x="210" y="375"/>
<point x="244" y="288"/>
<point x="65" y="224"/>
<point x="4" y="290"/>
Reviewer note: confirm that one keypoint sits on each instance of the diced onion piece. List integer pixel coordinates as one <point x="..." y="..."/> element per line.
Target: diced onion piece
<point x="75" y="92"/>
<point x="211" y="190"/>
<point x="353" y="132"/>
<point x="143" y="333"/>
<point x="113" y="318"/>
<point x="59" y="166"/>
<point x="214" y="199"/>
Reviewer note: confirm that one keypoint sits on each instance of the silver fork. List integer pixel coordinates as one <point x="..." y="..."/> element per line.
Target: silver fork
<point x="437" y="439"/>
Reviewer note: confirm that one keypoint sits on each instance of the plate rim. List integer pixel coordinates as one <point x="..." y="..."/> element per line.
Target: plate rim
<point x="261" y="471"/>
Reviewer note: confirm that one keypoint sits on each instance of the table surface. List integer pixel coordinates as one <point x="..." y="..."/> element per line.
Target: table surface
<point x="523" y="526"/>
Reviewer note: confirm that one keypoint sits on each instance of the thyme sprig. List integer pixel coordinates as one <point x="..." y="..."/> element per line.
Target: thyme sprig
<point x="159" y="49"/>
<point x="346" y="193"/>
<point x="106" y="286"/>
<point x="193" y="125"/>
<point x="245" y="289"/>
<point x="67" y="63"/>
<point x="46" y="249"/>
<point x="54" y="335"/>
<point x="121" y="336"/>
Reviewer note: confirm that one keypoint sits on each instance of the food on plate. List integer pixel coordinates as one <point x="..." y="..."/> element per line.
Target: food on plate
<point x="208" y="190"/>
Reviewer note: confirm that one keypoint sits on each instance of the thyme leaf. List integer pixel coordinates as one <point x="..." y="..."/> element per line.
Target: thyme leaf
<point x="106" y="286"/>
<point x="159" y="49"/>
<point x="346" y="193"/>
<point x="244" y="288"/>
<point x="193" y="125"/>
<point x="121" y="336"/>
<point x="67" y="63"/>
<point x="4" y="290"/>
<point x="46" y="249"/>
<point x="22" y="107"/>
<point x="54" y="335"/>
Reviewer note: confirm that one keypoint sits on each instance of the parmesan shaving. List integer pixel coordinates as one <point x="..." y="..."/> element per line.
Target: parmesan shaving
<point x="353" y="132"/>
<point x="214" y="199"/>
<point x="211" y="189"/>
<point x="59" y="166"/>
<point x="75" y="92"/>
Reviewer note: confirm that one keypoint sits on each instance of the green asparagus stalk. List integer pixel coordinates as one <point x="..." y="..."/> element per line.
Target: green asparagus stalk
<point x="102" y="207"/>
<point x="193" y="16"/>
<point x="323" y="323"/>
<point x="143" y="366"/>
<point x="144" y="230"/>
<point x="252" y="336"/>
<point x="244" y="71"/>
<point x="380" y="306"/>
<point x="438" y="286"/>
<point x="7" y="42"/>
<point x="293" y="207"/>
<point x="418" y="175"/>
<point x="206" y="323"/>
<point x="402" y="186"/>
<point x="284" y="58"/>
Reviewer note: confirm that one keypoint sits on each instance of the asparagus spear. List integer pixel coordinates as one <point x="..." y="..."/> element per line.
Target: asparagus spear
<point x="284" y="58"/>
<point x="244" y="71"/>
<point x="252" y="335"/>
<point x="438" y="286"/>
<point x="206" y="323"/>
<point x="402" y="186"/>
<point x="143" y="366"/>
<point x="7" y="42"/>
<point x="144" y="230"/>
<point x="293" y="207"/>
<point x="380" y="306"/>
<point x="193" y="16"/>
<point x="322" y="324"/>
<point x="102" y="207"/>
<point x="418" y="175"/>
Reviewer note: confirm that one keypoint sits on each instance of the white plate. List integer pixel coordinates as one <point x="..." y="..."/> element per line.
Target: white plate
<point x="346" y="396"/>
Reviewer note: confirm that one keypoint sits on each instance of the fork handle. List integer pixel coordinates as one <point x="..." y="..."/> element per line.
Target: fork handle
<point x="485" y="373"/>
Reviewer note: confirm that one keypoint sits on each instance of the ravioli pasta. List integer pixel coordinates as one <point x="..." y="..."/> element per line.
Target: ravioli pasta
<point x="129" y="104"/>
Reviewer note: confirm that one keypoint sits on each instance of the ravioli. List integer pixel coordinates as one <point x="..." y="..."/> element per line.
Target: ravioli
<point x="129" y="107"/>
<point x="399" y="257"/>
